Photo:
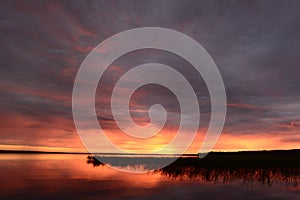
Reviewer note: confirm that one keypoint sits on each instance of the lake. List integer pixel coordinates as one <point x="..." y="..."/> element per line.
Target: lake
<point x="72" y="176"/>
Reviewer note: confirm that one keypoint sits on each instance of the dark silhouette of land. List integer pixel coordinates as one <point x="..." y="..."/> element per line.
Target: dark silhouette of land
<point x="263" y="167"/>
<point x="38" y="152"/>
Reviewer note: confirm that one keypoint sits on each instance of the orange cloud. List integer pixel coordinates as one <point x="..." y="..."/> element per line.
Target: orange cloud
<point x="243" y="106"/>
<point x="21" y="89"/>
<point x="255" y="141"/>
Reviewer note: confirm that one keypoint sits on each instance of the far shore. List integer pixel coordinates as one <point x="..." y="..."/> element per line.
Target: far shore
<point x="192" y="155"/>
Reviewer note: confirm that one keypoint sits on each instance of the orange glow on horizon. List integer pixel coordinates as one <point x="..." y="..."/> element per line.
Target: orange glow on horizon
<point x="226" y="142"/>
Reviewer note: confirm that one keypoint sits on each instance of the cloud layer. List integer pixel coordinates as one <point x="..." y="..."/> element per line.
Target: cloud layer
<point x="255" y="44"/>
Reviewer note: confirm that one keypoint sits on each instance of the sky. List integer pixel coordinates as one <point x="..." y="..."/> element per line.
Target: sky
<point x="255" y="45"/>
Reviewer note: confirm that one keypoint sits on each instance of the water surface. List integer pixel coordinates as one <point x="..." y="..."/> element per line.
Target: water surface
<point x="49" y="176"/>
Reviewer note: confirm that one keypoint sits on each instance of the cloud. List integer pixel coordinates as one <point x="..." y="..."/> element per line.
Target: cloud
<point x="254" y="44"/>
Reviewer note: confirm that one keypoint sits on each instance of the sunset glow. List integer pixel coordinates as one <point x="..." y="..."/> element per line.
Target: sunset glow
<point x="39" y="66"/>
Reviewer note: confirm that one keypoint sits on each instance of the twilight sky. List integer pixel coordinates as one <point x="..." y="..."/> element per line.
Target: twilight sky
<point x="255" y="44"/>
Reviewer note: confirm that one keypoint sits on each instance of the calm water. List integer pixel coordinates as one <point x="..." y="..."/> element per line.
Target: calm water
<point x="52" y="176"/>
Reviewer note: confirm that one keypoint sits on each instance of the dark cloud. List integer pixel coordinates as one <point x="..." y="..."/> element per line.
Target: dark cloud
<point x="255" y="44"/>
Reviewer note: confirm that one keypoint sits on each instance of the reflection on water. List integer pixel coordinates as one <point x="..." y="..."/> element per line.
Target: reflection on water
<point x="269" y="176"/>
<point x="133" y="163"/>
<point x="64" y="176"/>
<point x="193" y="168"/>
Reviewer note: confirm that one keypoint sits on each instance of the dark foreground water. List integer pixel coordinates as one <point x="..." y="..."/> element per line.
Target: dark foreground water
<point x="62" y="176"/>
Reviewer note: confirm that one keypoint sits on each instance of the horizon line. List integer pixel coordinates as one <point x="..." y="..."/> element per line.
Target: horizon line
<point x="58" y="152"/>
